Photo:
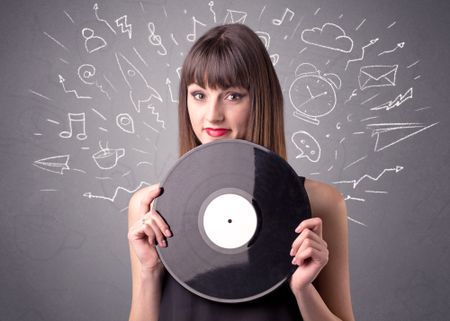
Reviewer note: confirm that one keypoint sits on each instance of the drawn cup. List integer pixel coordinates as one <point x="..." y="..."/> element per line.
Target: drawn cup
<point x="107" y="158"/>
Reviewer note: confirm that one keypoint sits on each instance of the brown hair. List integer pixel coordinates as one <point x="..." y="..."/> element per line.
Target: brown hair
<point x="233" y="56"/>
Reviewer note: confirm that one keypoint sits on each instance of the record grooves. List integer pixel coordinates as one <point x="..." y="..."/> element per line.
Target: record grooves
<point x="232" y="207"/>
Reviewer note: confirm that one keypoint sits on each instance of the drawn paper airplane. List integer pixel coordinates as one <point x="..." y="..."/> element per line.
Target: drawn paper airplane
<point x="400" y="99"/>
<point x="234" y="16"/>
<point x="54" y="164"/>
<point x="392" y="133"/>
<point x="140" y="90"/>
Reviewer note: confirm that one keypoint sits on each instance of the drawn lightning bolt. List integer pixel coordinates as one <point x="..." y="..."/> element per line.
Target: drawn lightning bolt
<point x="124" y="26"/>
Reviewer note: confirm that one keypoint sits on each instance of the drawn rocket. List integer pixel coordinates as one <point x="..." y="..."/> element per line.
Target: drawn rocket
<point x="140" y="90"/>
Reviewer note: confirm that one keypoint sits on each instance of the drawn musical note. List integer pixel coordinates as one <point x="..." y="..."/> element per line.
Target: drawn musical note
<point x="278" y="22"/>
<point x="155" y="39"/>
<point x="192" y="36"/>
<point x="77" y="121"/>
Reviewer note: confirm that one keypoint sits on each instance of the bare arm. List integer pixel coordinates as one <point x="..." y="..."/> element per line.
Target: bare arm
<point x="145" y="229"/>
<point x="321" y="283"/>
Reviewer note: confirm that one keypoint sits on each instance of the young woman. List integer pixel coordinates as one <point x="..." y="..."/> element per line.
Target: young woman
<point x="229" y="89"/>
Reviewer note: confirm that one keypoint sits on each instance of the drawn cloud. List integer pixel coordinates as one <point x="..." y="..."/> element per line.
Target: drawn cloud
<point x="330" y="36"/>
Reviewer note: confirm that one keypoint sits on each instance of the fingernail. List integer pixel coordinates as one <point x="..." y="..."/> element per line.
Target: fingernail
<point x="291" y="253"/>
<point x="294" y="261"/>
<point x="167" y="233"/>
<point x="163" y="243"/>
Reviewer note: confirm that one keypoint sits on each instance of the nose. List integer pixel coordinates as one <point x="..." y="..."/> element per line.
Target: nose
<point x="214" y="113"/>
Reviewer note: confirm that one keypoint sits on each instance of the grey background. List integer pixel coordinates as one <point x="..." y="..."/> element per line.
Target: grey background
<point x="64" y="256"/>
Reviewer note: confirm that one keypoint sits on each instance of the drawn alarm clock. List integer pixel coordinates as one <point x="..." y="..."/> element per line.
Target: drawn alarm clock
<point x="313" y="95"/>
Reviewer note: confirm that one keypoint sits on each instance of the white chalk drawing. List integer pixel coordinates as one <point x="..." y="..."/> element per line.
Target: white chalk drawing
<point x="56" y="41"/>
<point x="62" y="82"/>
<point x="355" y="162"/>
<point x="317" y="11"/>
<point x="211" y="5"/>
<point x="151" y="127"/>
<point x="356" y="182"/>
<point x="391" y="25"/>
<point x="98" y="113"/>
<point x="377" y="76"/>
<point x="413" y="64"/>
<point x="169" y="85"/>
<point x="370" y="98"/>
<point x="144" y="163"/>
<point x="92" y="43"/>
<point x="54" y="164"/>
<point x="193" y="36"/>
<point x="118" y="189"/>
<point x="124" y="26"/>
<point x="359" y="26"/>
<point x="400" y="99"/>
<point x="274" y="58"/>
<point x="278" y="22"/>
<point x="235" y="16"/>
<point x="140" y="57"/>
<point x="308" y="146"/>
<point x="155" y="39"/>
<point x="173" y="39"/>
<point x="260" y="14"/>
<point x="329" y="36"/>
<point x="156" y="114"/>
<point x="39" y="95"/>
<point x="107" y="158"/>
<point x="363" y="49"/>
<point x="86" y="73"/>
<point x="313" y="95"/>
<point x="125" y="122"/>
<point x="68" y="16"/>
<point x="389" y="134"/>
<point x="399" y="46"/>
<point x="95" y="8"/>
<point x="353" y="94"/>
<point x="77" y="122"/>
<point x="109" y="83"/>
<point x="265" y="38"/>
<point x="140" y="90"/>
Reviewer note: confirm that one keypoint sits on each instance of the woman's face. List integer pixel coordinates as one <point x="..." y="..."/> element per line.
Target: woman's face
<point x="218" y="113"/>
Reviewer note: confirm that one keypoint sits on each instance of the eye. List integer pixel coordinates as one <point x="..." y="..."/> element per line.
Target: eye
<point x="234" y="96"/>
<point x="198" y="95"/>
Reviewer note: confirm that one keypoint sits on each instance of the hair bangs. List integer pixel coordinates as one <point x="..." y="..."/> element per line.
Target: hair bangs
<point x="219" y="67"/>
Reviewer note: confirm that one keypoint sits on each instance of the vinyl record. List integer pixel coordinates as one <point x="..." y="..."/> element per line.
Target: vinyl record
<point x="232" y="207"/>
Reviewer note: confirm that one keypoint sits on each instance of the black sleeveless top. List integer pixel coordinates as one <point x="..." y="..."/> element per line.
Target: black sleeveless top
<point x="178" y="304"/>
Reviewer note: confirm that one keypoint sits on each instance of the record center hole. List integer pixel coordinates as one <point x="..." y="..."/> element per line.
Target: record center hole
<point x="230" y="220"/>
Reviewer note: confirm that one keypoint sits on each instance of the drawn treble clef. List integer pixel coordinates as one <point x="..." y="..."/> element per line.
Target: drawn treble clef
<point x="155" y="39"/>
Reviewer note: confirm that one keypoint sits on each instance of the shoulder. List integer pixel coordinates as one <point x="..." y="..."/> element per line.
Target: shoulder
<point x="325" y="199"/>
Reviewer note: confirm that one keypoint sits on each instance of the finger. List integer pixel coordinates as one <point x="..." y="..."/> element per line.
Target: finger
<point x="314" y="224"/>
<point x="163" y="226"/>
<point x="308" y="255"/>
<point x="306" y="235"/>
<point x="145" y="196"/>
<point x="153" y="233"/>
<point x="158" y="233"/>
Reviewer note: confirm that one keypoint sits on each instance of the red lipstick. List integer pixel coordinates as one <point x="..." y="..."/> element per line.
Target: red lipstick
<point x="216" y="132"/>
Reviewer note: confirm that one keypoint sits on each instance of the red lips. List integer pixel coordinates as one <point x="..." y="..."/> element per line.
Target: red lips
<point x="216" y="132"/>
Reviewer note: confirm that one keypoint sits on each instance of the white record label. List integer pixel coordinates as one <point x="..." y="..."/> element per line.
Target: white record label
<point x="230" y="221"/>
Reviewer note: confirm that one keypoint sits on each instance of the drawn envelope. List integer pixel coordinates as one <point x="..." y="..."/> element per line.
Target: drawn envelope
<point x="234" y="16"/>
<point x="377" y="76"/>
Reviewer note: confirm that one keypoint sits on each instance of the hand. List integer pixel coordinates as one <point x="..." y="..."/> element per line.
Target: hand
<point x="148" y="229"/>
<point x="309" y="252"/>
